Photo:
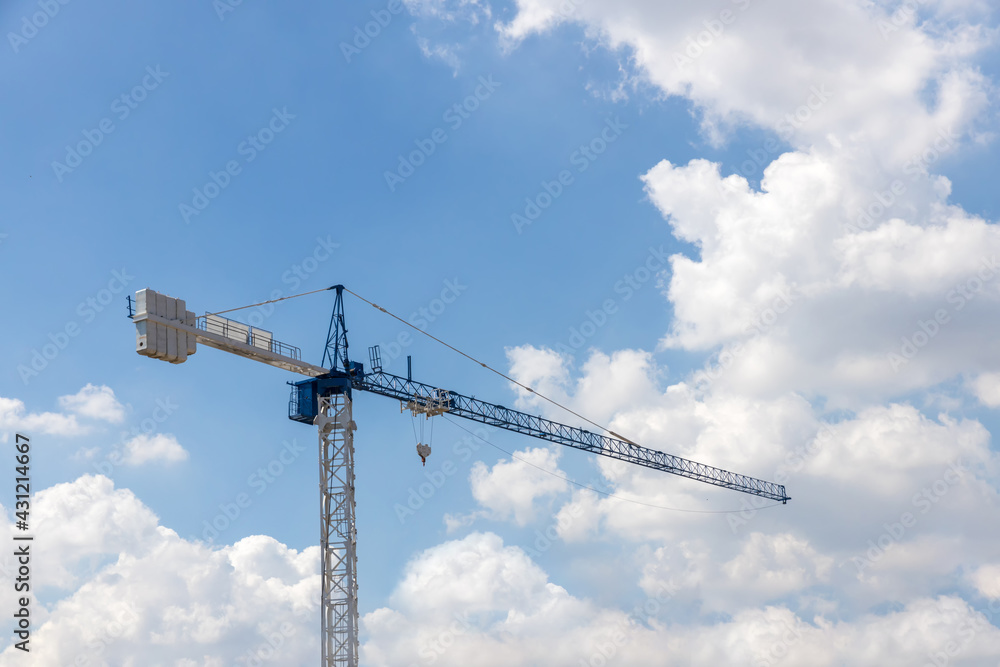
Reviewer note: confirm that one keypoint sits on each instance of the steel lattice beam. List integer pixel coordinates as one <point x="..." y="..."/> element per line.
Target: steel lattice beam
<point x="400" y="388"/>
<point x="338" y="533"/>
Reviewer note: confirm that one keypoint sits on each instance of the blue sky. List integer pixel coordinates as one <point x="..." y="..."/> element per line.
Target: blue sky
<point x="311" y="206"/>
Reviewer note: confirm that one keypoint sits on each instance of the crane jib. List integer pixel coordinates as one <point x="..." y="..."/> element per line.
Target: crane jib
<point x="393" y="386"/>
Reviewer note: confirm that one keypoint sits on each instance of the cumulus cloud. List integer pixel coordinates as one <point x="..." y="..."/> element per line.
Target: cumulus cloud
<point x="137" y="594"/>
<point x="766" y="569"/>
<point x="825" y="293"/>
<point x="14" y="416"/>
<point x="450" y="11"/>
<point x="853" y="481"/>
<point x="138" y="587"/>
<point x="145" y="448"/>
<point x="91" y="402"/>
<point x="986" y="388"/>
<point x="842" y="70"/>
<point x="795" y="300"/>
<point x="440" y="24"/>
<point x="847" y="273"/>
<point x="511" y="488"/>
<point x="987" y="580"/>
<point x="94" y="402"/>
<point x="476" y="600"/>
<point x="627" y="375"/>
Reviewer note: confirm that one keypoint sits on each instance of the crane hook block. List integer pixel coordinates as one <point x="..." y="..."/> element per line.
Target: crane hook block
<point x="424" y="451"/>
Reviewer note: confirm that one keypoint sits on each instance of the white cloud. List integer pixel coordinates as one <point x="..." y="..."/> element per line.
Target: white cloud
<point x="884" y="446"/>
<point x="986" y="387"/>
<point x="511" y="488"/>
<point x="986" y="579"/>
<point x="476" y="601"/>
<point x="450" y="11"/>
<point x="867" y="100"/>
<point x="609" y="383"/>
<point x="759" y="63"/>
<point x="775" y="565"/>
<point x="140" y="590"/>
<point x="15" y="417"/>
<point x="797" y="301"/>
<point x="94" y="402"/>
<point x="140" y="595"/>
<point x="848" y="479"/>
<point x="91" y="401"/>
<point x="145" y="448"/>
<point x="765" y="570"/>
<point x="446" y="53"/>
<point x="441" y="19"/>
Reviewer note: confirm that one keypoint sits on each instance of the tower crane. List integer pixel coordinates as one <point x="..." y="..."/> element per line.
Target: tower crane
<point x="166" y="330"/>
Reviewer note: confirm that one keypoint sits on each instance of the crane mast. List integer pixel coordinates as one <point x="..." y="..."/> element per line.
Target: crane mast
<point x="166" y="330"/>
<point x="338" y="531"/>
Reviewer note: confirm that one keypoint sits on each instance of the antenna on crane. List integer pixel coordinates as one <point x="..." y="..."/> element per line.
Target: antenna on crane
<point x="166" y="330"/>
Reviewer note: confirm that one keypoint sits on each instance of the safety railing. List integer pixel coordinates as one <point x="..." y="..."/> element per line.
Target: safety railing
<point x="244" y="333"/>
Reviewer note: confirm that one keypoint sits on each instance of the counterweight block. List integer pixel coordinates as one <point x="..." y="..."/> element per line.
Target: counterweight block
<point x="153" y="339"/>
